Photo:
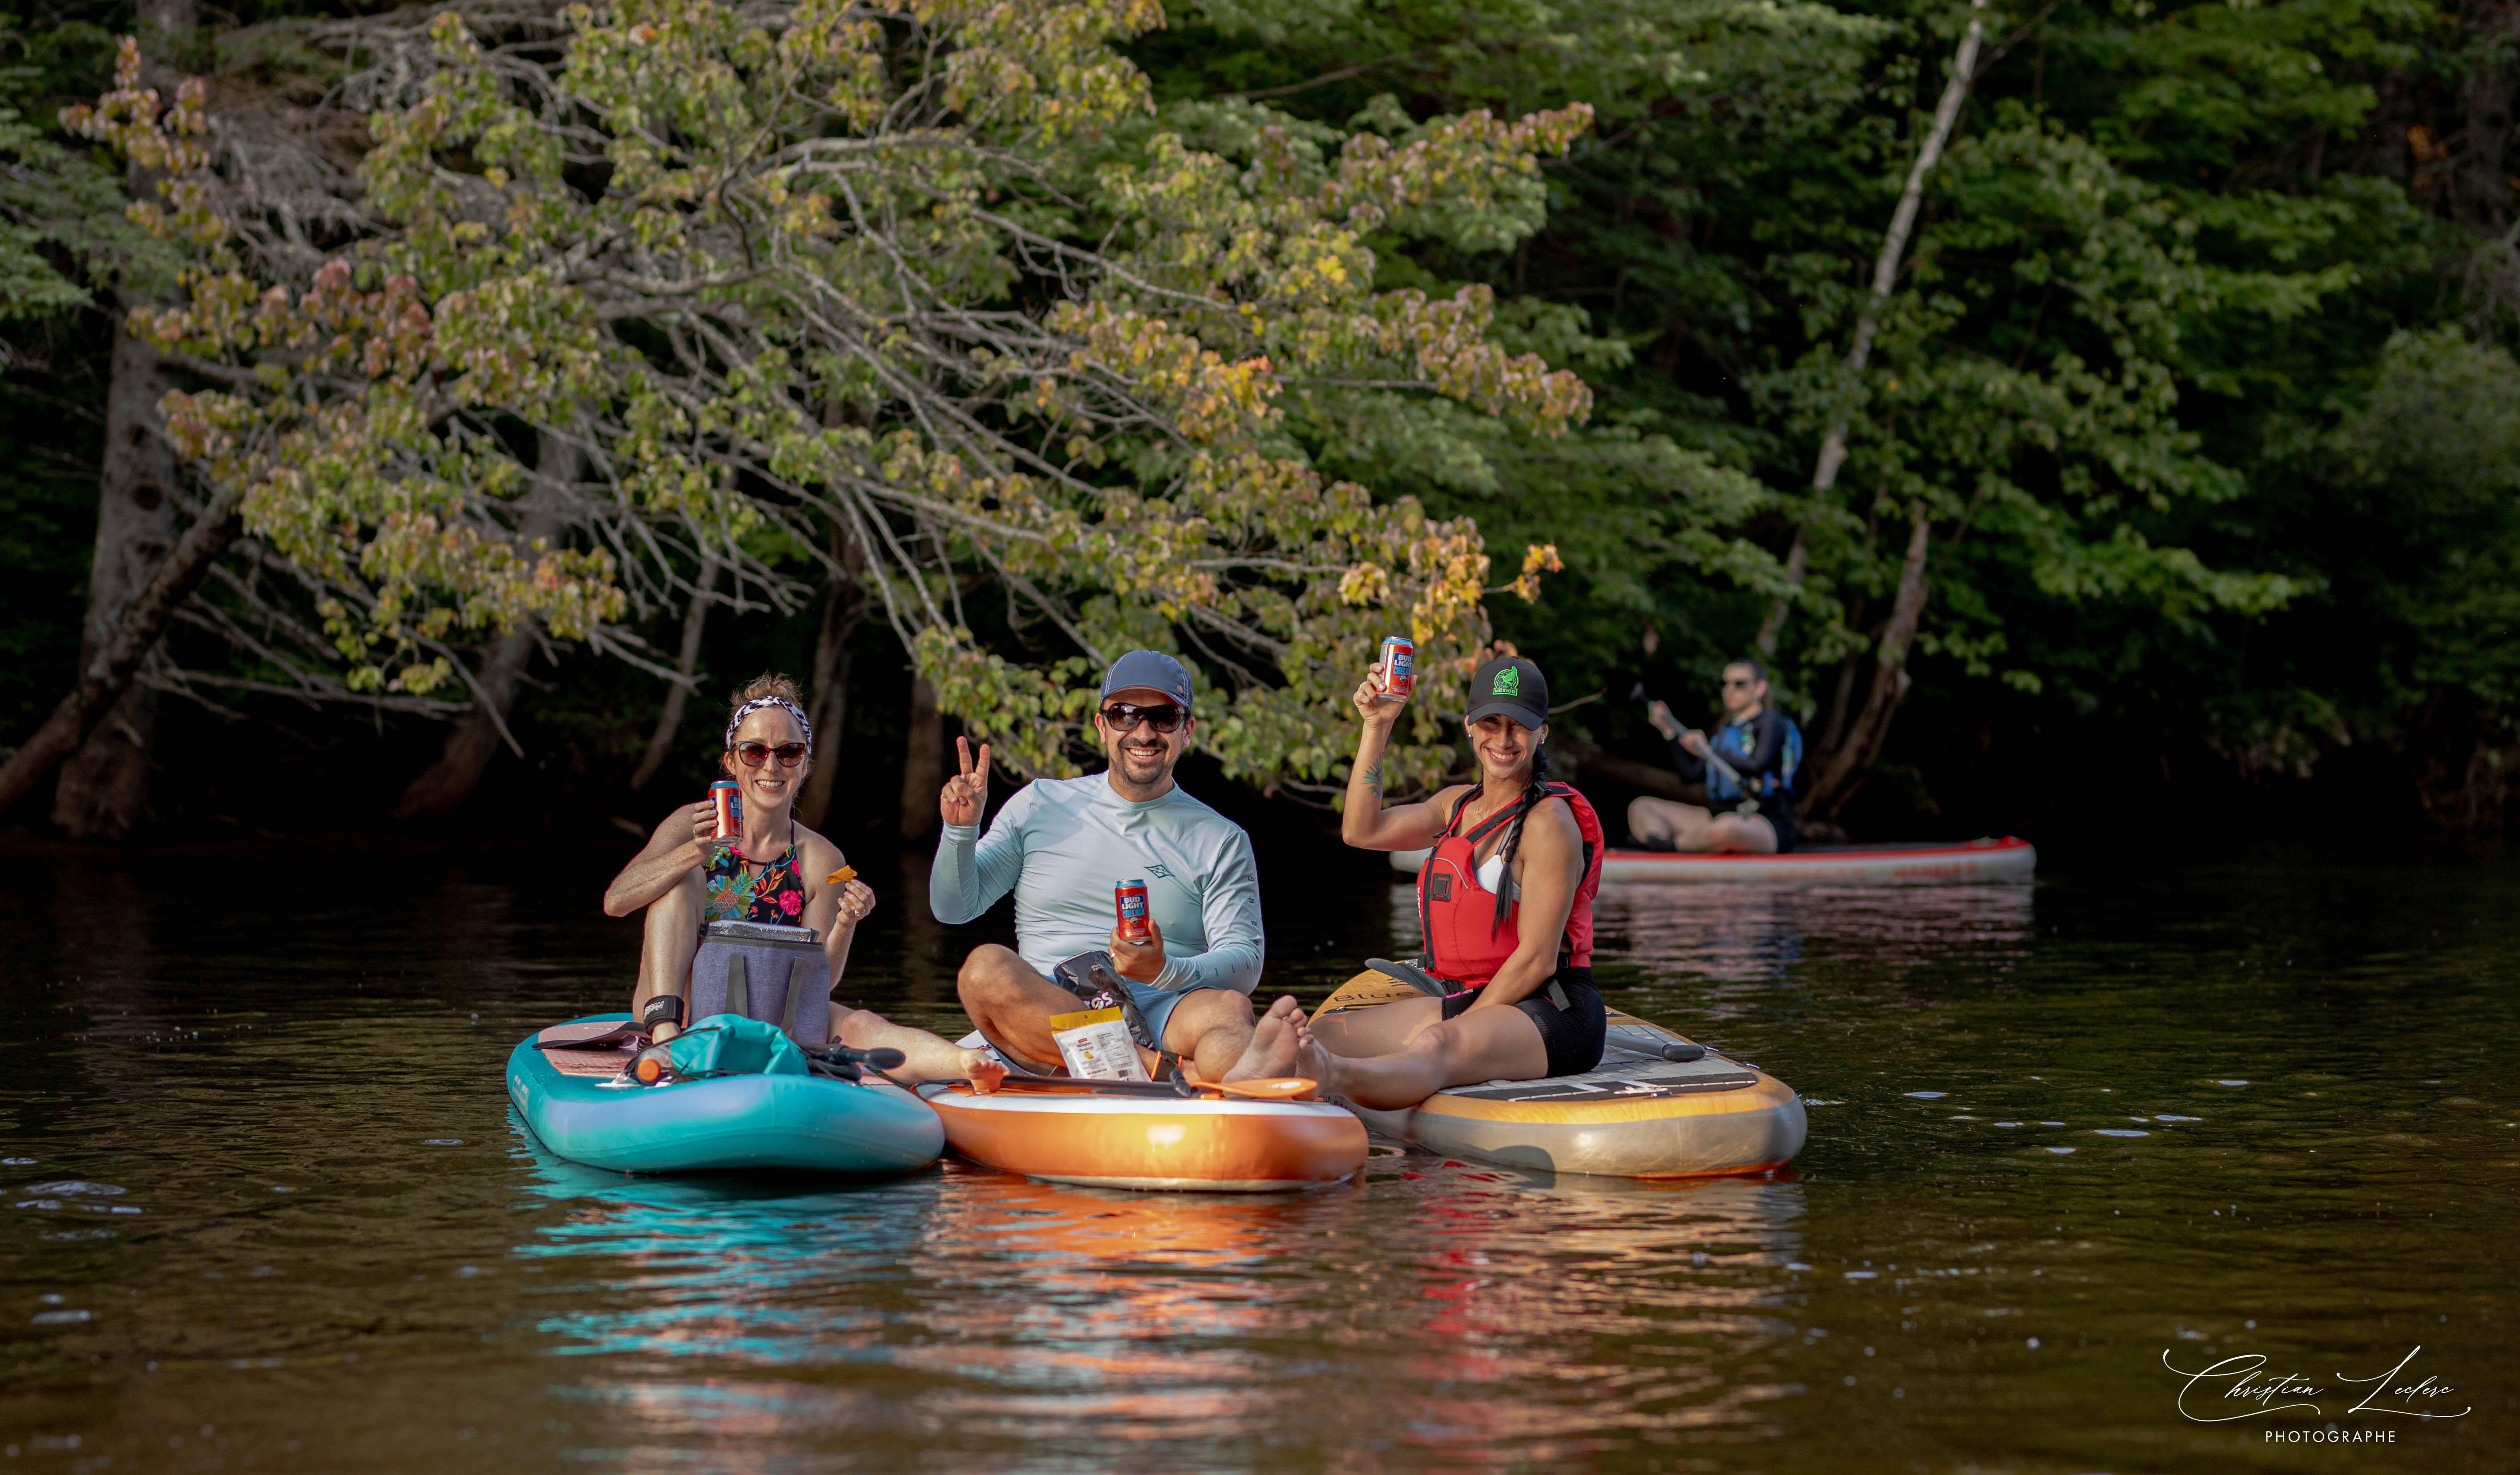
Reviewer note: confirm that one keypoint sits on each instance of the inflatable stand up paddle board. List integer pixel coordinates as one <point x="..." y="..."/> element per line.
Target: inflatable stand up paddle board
<point x="1253" y="1136"/>
<point x="2009" y="858"/>
<point x="1658" y="1107"/>
<point x="568" y="1083"/>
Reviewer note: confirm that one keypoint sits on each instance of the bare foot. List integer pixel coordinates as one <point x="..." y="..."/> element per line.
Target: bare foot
<point x="985" y="1072"/>
<point x="1274" y="1038"/>
<point x="1328" y="1070"/>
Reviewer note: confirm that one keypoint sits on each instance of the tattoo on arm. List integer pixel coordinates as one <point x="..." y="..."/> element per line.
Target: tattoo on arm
<point x="1374" y="779"/>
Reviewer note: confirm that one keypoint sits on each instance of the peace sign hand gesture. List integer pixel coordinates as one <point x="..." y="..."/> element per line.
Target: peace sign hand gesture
<point x="966" y="795"/>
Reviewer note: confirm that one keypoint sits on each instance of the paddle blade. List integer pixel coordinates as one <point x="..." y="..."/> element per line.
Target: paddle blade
<point x="1269" y="1088"/>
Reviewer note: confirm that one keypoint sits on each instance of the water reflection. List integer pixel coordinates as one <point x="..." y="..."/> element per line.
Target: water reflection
<point x="1462" y="1312"/>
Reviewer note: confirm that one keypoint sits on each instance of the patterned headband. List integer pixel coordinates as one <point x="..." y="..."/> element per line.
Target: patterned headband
<point x="759" y="702"/>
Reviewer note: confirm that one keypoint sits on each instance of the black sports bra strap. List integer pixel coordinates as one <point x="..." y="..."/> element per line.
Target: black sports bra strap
<point x="1463" y="803"/>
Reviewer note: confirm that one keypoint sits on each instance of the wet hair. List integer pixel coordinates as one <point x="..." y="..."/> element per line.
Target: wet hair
<point x="768" y="690"/>
<point x="1757" y="672"/>
<point x="1534" y="794"/>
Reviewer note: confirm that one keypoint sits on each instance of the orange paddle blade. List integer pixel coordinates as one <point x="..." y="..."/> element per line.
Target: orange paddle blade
<point x="1270" y="1089"/>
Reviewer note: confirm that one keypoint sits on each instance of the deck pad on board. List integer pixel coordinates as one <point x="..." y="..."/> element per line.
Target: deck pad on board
<point x="1622" y="1081"/>
<point x="588" y="1062"/>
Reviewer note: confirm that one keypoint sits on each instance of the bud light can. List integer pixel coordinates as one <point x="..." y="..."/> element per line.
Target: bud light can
<point x="1129" y="899"/>
<point x="1399" y="664"/>
<point x="729" y="799"/>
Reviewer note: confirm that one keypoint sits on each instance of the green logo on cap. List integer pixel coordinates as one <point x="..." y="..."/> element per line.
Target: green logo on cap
<point x="1509" y="683"/>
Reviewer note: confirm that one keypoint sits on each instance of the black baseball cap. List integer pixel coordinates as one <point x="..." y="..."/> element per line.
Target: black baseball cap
<point x="1513" y="685"/>
<point x="1152" y="669"/>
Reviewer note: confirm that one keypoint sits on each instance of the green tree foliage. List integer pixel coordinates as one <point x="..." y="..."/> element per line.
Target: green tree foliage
<point x="2163" y="250"/>
<point x="936" y="277"/>
<point x="1246" y="331"/>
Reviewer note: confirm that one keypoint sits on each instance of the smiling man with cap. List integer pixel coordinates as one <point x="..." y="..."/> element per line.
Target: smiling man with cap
<point x="1062" y="844"/>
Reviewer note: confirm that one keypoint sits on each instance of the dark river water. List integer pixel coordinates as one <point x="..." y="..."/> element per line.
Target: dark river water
<point x="264" y="1204"/>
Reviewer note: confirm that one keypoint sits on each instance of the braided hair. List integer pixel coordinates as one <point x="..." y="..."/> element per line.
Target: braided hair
<point x="1533" y="796"/>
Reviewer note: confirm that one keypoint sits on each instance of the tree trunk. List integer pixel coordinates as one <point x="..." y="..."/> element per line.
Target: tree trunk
<point x="105" y="676"/>
<point x="923" y="763"/>
<point x="828" y="698"/>
<point x="1885" y="276"/>
<point x="686" y="665"/>
<point x="1843" y="769"/>
<point x="476" y="738"/>
<point x="104" y="788"/>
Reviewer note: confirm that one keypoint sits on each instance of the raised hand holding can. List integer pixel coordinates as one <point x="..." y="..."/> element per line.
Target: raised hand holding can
<point x="1398" y="666"/>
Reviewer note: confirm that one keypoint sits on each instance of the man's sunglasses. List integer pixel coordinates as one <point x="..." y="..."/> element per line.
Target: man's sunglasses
<point x="1124" y="717"/>
<point x="1736" y="681"/>
<point x="755" y="754"/>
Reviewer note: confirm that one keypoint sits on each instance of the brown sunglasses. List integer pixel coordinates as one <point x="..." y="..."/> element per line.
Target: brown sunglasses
<point x="755" y="754"/>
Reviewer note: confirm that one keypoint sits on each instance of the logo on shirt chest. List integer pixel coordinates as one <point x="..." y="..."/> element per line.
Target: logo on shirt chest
<point x="1159" y="871"/>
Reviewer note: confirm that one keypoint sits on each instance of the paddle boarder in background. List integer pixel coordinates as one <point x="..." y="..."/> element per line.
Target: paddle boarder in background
<point x="1506" y="900"/>
<point x="1749" y="781"/>
<point x="1063" y="845"/>
<point x="770" y="869"/>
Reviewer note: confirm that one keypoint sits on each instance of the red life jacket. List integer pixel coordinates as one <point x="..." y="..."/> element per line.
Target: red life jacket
<point x="1466" y="944"/>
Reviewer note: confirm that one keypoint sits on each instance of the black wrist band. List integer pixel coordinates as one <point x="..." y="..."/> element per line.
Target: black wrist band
<point x="664" y="1008"/>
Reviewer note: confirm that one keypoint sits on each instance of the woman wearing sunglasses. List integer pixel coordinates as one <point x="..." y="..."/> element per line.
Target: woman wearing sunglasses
<point x="776" y="870"/>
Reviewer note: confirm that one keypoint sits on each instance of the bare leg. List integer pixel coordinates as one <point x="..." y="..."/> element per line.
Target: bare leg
<point x="1380" y="1030"/>
<point x="1488" y="1043"/>
<point x="1211" y="1028"/>
<point x="1665" y="823"/>
<point x="670" y="935"/>
<point x="1740" y="834"/>
<point x="927" y="1057"/>
<point x="1010" y="1003"/>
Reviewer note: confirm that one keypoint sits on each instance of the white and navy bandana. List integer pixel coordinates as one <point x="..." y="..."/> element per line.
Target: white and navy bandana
<point x="756" y="704"/>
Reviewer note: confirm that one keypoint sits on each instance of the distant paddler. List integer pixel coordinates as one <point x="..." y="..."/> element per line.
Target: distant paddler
<point x="1505" y="901"/>
<point x="766" y="869"/>
<point x="1748" y="765"/>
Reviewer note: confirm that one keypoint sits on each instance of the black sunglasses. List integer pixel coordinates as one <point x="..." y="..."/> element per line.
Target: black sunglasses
<point x="1736" y="681"/>
<point x="1124" y="717"/>
<point x="755" y="754"/>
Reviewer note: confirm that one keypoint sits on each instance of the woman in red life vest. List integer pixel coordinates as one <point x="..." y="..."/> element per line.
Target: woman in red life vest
<point x="1507" y="902"/>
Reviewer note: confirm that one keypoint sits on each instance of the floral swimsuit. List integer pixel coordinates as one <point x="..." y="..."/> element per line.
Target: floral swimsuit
<point x="776" y="893"/>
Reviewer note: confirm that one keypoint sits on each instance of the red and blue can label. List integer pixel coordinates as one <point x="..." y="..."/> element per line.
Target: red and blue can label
<point x="729" y="799"/>
<point x="1399" y="664"/>
<point x="1129" y="899"/>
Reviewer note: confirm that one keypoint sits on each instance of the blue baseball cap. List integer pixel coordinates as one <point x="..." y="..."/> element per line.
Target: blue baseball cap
<point x="1152" y="669"/>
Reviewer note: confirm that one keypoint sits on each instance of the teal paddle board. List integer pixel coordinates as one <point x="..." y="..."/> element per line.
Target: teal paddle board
<point x="580" y="1106"/>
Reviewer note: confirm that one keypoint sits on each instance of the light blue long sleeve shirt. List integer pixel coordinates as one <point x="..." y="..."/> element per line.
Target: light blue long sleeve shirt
<point x="1062" y="844"/>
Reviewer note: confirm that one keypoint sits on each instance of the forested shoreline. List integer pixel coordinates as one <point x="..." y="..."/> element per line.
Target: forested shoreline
<point x="2090" y="411"/>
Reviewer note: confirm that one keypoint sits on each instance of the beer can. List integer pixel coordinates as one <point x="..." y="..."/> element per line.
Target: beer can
<point x="1129" y="899"/>
<point x="729" y="799"/>
<point x="1399" y="662"/>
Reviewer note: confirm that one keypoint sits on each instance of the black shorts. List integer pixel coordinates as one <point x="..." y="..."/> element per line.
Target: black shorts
<point x="1573" y="1036"/>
